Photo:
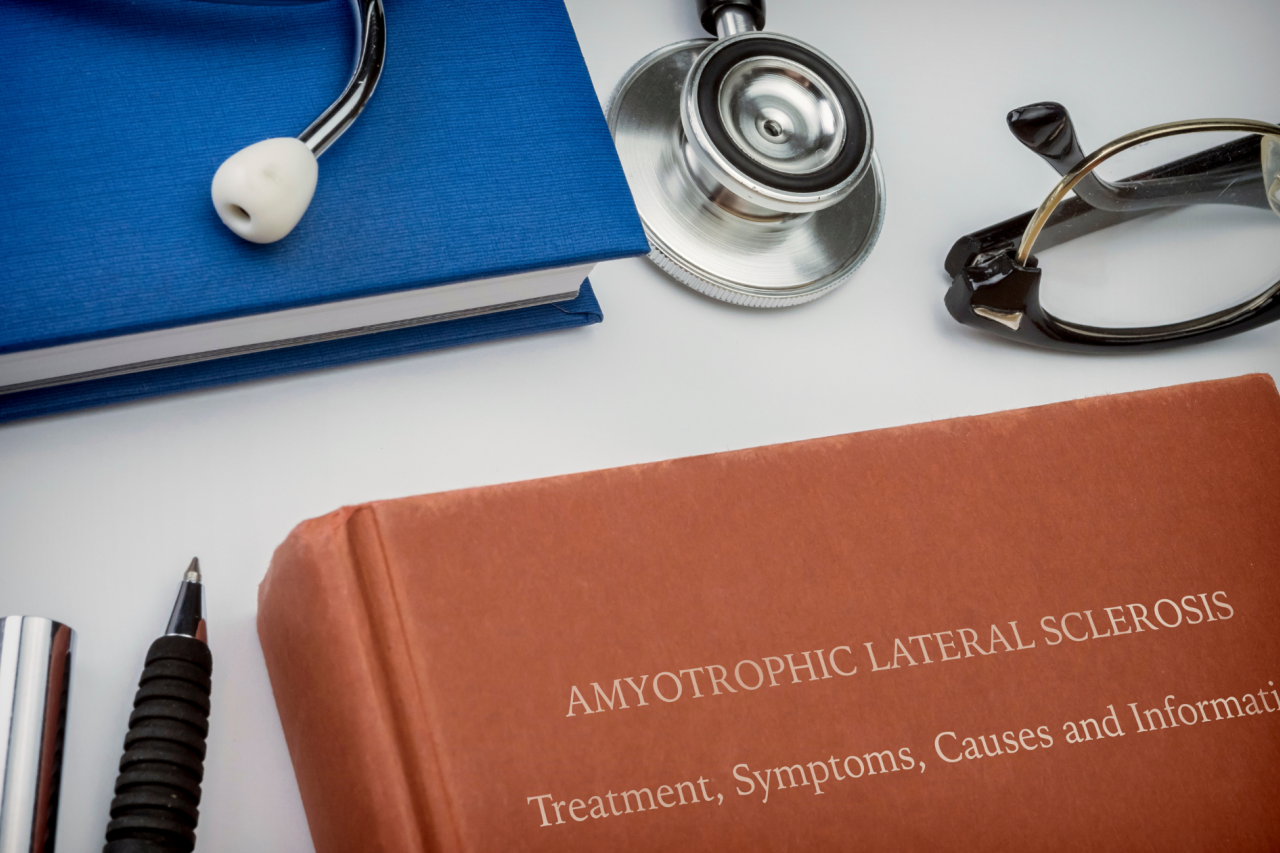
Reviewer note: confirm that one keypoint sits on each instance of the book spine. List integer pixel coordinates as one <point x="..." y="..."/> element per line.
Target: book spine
<point x="346" y="694"/>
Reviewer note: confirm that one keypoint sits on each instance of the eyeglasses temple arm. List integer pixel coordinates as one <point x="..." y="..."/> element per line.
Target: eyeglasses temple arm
<point x="1073" y="218"/>
<point x="1076" y="217"/>
<point x="1220" y="175"/>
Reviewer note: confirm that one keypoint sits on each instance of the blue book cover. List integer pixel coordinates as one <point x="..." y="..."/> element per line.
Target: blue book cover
<point x="483" y="153"/>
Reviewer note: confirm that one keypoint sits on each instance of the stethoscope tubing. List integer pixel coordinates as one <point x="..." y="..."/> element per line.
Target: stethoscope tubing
<point x="370" y="57"/>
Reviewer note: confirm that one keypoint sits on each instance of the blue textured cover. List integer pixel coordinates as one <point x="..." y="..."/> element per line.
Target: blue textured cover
<point x="483" y="153"/>
<point x="582" y="311"/>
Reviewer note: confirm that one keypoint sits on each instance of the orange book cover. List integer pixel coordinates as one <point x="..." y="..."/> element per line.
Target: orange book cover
<point x="1053" y="628"/>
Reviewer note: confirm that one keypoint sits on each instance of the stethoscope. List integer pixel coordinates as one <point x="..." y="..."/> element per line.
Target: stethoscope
<point x="751" y="161"/>
<point x="261" y="191"/>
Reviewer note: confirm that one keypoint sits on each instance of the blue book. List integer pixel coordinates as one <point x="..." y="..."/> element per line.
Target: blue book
<point x="467" y="203"/>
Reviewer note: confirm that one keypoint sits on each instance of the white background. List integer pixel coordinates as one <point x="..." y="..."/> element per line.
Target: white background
<point x="101" y="511"/>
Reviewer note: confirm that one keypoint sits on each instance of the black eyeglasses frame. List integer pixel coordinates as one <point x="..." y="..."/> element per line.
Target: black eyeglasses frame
<point x="995" y="281"/>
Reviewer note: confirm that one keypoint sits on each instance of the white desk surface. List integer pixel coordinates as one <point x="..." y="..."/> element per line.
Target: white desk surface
<point x="100" y="511"/>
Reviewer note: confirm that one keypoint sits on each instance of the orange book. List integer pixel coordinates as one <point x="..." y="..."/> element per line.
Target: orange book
<point x="1053" y="628"/>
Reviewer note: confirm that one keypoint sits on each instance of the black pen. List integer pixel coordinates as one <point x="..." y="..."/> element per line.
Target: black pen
<point x="157" y="800"/>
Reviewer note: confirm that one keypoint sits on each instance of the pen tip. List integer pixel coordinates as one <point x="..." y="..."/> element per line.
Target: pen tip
<point x="193" y="571"/>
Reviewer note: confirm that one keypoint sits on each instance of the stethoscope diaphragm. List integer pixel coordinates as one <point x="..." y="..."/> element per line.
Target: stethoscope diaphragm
<point x="752" y="164"/>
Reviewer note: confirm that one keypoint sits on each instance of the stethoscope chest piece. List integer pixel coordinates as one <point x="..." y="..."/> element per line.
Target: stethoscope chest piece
<point x="752" y="166"/>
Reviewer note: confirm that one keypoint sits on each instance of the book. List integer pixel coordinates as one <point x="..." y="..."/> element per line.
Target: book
<point x="1051" y="628"/>
<point x="480" y="179"/>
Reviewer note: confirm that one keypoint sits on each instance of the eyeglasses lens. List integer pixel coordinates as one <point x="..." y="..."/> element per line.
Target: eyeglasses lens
<point x="1271" y="170"/>
<point x="1193" y="255"/>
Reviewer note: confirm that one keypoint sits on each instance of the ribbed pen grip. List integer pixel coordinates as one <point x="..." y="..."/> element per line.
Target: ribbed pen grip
<point x="158" y="791"/>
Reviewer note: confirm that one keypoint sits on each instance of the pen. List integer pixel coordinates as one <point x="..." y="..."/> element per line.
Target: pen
<point x="157" y="793"/>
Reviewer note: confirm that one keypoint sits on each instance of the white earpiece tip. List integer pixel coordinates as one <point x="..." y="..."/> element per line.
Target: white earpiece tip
<point x="261" y="192"/>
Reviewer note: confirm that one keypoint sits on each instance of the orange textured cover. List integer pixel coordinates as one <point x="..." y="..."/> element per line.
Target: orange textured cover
<point x="1054" y="628"/>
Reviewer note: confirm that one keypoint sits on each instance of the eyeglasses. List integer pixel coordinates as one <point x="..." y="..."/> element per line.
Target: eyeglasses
<point x="1176" y="238"/>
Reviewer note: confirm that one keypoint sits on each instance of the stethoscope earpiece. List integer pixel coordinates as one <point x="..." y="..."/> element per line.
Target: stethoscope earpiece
<point x="262" y="191"/>
<point x="751" y="160"/>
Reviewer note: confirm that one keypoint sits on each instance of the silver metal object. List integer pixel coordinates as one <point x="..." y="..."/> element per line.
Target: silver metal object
<point x="35" y="676"/>
<point x="732" y="20"/>
<point x="188" y="616"/>
<point x="370" y="55"/>
<point x="783" y="116"/>
<point x="712" y="226"/>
